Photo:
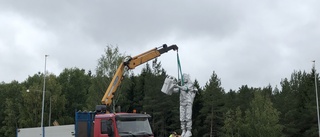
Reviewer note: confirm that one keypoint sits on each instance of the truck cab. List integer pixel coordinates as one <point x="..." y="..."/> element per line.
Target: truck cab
<point x="122" y="125"/>
<point x="91" y="124"/>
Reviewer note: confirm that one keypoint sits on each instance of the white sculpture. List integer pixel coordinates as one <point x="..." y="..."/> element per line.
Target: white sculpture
<point x="187" y="94"/>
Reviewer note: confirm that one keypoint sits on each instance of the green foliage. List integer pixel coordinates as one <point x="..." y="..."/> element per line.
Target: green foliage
<point x="231" y="100"/>
<point x="96" y="91"/>
<point x="131" y="94"/>
<point x="10" y="120"/>
<point x="244" y="97"/>
<point x="58" y="101"/>
<point x="297" y="104"/>
<point x="213" y="106"/>
<point x="75" y="85"/>
<point x="10" y="108"/>
<point x="109" y="61"/>
<point x="107" y="65"/>
<point x="261" y="119"/>
<point x="233" y="123"/>
<point x="197" y="118"/>
<point x="30" y="114"/>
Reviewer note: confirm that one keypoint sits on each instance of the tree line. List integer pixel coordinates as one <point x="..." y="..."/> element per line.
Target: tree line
<point x="288" y="110"/>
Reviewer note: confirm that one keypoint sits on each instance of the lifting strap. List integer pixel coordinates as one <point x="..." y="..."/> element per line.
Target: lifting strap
<point x="179" y="70"/>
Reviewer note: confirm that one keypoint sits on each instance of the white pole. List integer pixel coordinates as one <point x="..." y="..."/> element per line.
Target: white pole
<point x="43" y="93"/>
<point x="315" y="83"/>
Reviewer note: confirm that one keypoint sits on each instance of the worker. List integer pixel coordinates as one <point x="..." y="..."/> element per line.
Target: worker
<point x="173" y="134"/>
<point x="187" y="94"/>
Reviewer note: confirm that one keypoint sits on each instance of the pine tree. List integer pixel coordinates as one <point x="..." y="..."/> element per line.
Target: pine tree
<point x="197" y="118"/>
<point x="245" y="96"/>
<point x="213" y="106"/>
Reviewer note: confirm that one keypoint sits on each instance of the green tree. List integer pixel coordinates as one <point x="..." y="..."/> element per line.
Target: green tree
<point x="108" y="62"/>
<point x="58" y="101"/>
<point x="31" y="108"/>
<point x="238" y="123"/>
<point x="96" y="91"/>
<point x="75" y="85"/>
<point x="245" y="96"/>
<point x="11" y="118"/>
<point x="213" y="106"/>
<point x="297" y="103"/>
<point x="131" y="95"/>
<point x="229" y="124"/>
<point x="197" y="118"/>
<point x="55" y="102"/>
<point x="261" y="119"/>
<point x="107" y="65"/>
<point x="233" y="123"/>
<point x="2" y="105"/>
<point x="231" y="100"/>
<point x="10" y="108"/>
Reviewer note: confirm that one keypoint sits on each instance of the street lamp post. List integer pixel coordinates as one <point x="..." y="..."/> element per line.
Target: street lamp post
<point x="43" y="93"/>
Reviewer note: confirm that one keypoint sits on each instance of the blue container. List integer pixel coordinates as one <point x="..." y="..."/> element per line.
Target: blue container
<point x="84" y="124"/>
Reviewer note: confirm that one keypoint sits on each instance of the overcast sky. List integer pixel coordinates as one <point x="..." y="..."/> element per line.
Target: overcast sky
<point x="245" y="42"/>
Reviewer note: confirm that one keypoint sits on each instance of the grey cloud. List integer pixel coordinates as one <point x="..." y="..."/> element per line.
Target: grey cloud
<point x="246" y="42"/>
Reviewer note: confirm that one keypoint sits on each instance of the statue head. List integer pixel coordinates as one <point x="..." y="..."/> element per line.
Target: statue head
<point x="186" y="78"/>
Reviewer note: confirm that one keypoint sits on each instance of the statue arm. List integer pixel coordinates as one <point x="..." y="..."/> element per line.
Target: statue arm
<point x="184" y="88"/>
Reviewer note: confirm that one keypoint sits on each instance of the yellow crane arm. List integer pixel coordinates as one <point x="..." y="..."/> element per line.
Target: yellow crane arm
<point x="131" y="63"/>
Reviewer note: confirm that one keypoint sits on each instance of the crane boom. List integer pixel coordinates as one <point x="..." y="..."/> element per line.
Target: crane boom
<point x="131" y="63"/>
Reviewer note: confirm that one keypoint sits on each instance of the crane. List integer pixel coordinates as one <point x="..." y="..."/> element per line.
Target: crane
<point x="131" y="63"/>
